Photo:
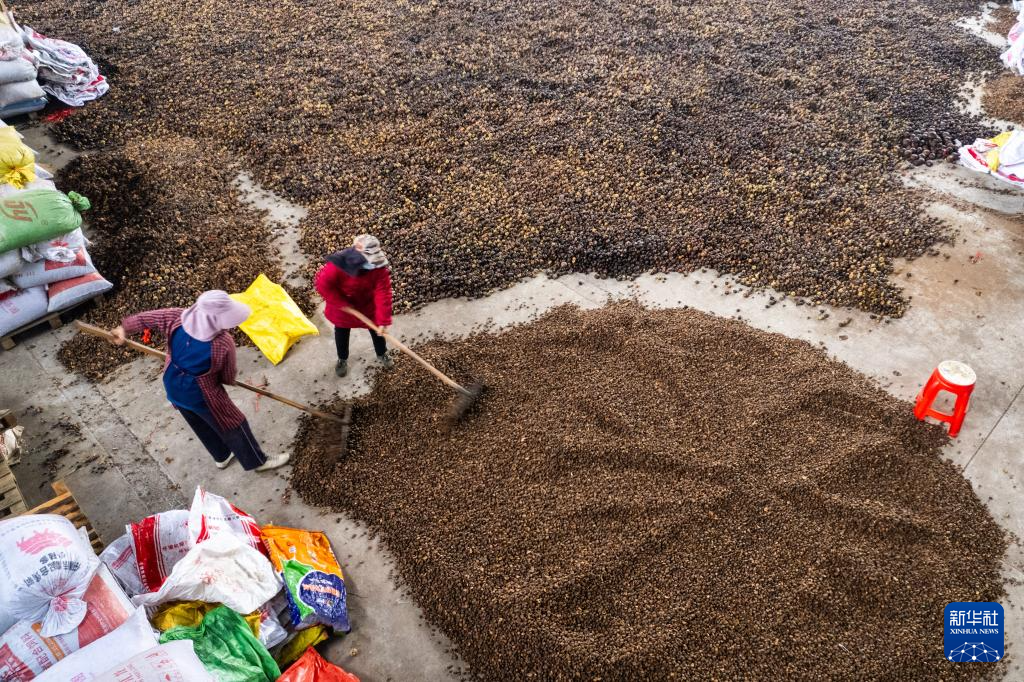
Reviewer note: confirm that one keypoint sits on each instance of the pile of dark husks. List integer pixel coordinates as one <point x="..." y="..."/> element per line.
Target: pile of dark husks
<point x="166" y="225"/>
<point x="646" y="493"/>
<point x="483" y="142"/>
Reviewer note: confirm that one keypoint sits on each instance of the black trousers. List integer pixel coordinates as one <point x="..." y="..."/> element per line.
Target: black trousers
<point x="220" y="444"/>
<point x="341" y="334"/>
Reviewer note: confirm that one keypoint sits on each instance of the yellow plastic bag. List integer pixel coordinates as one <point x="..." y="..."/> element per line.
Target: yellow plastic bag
<point x="190" y="614"/>
<point x="295" y="647"/>
<point x="17" y="162"/>
<point x="276" y="322"/>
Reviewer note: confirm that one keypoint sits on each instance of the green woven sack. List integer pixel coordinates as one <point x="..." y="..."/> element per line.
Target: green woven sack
<point x="36" y="215"/>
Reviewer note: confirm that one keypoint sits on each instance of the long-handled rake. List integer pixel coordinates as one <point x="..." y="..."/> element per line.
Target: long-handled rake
<point x="465" y="396"/>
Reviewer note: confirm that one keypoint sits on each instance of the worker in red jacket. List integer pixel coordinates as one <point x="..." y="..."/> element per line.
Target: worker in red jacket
<point x="357" y="277"/>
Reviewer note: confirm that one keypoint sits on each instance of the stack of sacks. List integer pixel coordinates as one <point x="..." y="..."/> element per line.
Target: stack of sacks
<point x="213" y="596"/>
<point x="65" y="70"/>
<point x="19" y="91"/>
<point x="44" y="265"/>
<point x="44" y="262"/>
<point x="278" y="591"/>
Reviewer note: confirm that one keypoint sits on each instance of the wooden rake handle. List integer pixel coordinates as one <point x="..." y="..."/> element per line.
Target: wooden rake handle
<point x="408" y="351"/>
<point x="142" y="348"/>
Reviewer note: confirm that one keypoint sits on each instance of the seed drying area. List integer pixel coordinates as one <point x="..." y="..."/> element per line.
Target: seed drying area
<point x="699" y="335"/>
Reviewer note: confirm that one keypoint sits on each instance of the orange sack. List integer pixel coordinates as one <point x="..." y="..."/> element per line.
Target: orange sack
<point x="313" y="668"/>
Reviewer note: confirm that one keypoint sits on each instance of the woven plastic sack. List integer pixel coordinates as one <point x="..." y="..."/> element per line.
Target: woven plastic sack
<point x="17" y="162"/>
<point x="7" y="289"/>
<point x="24" y="307"/>
<point x="312" y="576"/>
<point x="226" y="646"/>
<point x="171" y="662"/>
<point x="71" y="292"/>
<point x="211" y="514"/>
<point x="130" y="638"/>
<point x="18" y="69"/>
<point x="45" y="568"/>
<point x="119" y="558"/>
<point x="12" y="44"/>
<point x="25" y="653"/>
<point x="159" y="542"/>
<point x="10" y="263"/>
<point x="13" y="94"/>
<point x="312" y="667"/>
<point x="62" y="249"/>
<point x="50" y="272"/>
<point x="31" y="216"/>
<point x="222" y="570"/>
<point x="276" y="322"/>
<point x="1001" y="156"/>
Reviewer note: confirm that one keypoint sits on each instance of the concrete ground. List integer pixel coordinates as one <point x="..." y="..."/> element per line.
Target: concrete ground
<point x="125" y="454"/>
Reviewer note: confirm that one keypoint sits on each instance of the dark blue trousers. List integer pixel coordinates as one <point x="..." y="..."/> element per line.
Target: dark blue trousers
<point x="220" y="444"/>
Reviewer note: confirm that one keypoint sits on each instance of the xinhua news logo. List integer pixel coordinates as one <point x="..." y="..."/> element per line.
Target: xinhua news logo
<point x="973" y="632"/>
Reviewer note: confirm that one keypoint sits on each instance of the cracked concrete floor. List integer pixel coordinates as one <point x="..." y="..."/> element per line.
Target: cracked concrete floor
<point x="125" y="453"/>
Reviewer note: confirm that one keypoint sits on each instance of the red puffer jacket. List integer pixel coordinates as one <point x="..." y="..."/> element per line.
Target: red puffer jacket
<point x="369" y="292"/>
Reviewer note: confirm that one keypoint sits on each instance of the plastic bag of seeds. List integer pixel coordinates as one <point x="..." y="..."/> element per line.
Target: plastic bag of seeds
<point x="24" y="307"/>
<point x="12" y="45"/>
<point x="17" y="162"/>
<point x="158" y="542"/>
<point x="62" y="249"/>
<point x="31" y="216"/>
<point x="313" y="581"/>
<point x="50" y="271"/>
<point x="211" y="515"/>
<point x="10" y="263"/>
<point x="171" y="662"/>
<point x="70" y="292"/>
<point x="119" y="558"/>
<point x="130" y="638"/>
<point x="45" y="568"/>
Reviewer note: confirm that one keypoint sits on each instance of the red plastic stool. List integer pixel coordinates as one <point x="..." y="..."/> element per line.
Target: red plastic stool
<point x="958" y="379"/>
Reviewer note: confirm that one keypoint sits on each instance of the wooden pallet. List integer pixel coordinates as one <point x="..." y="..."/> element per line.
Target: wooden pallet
<point x="7" y="341"/>
<point x="11" y="501"/>
<point x="66" y="505"/>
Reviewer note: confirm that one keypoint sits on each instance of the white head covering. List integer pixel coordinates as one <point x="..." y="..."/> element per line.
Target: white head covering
<point x="369" y="246"/>
<point x="213" y="312"/>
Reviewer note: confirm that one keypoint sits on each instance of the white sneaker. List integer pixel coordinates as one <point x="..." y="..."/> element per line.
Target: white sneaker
<point x="225" y="463"/>
<point x="274" y="462"/>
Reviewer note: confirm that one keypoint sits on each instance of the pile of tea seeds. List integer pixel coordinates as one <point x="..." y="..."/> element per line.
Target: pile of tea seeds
<point x="164" y="229"/>
<point x="648" y="493"/>
<point x="1004" y="98"/>
<point x="486" y="142"/>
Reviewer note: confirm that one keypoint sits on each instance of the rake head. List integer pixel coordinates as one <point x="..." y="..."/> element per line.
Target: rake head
<point x="465" y="400"/>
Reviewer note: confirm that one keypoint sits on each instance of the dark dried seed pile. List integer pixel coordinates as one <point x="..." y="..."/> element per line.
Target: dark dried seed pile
<point x="488" y="141"/>
<point x="1004" y="98"/>
<point x="646" y="493"/>
<point x="1002" y="20"/>
<point x="166" y="226"/>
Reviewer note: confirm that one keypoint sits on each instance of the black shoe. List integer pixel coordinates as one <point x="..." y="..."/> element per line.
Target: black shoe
<point x="386" y="361"/>
<point x="341" y="369"/>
